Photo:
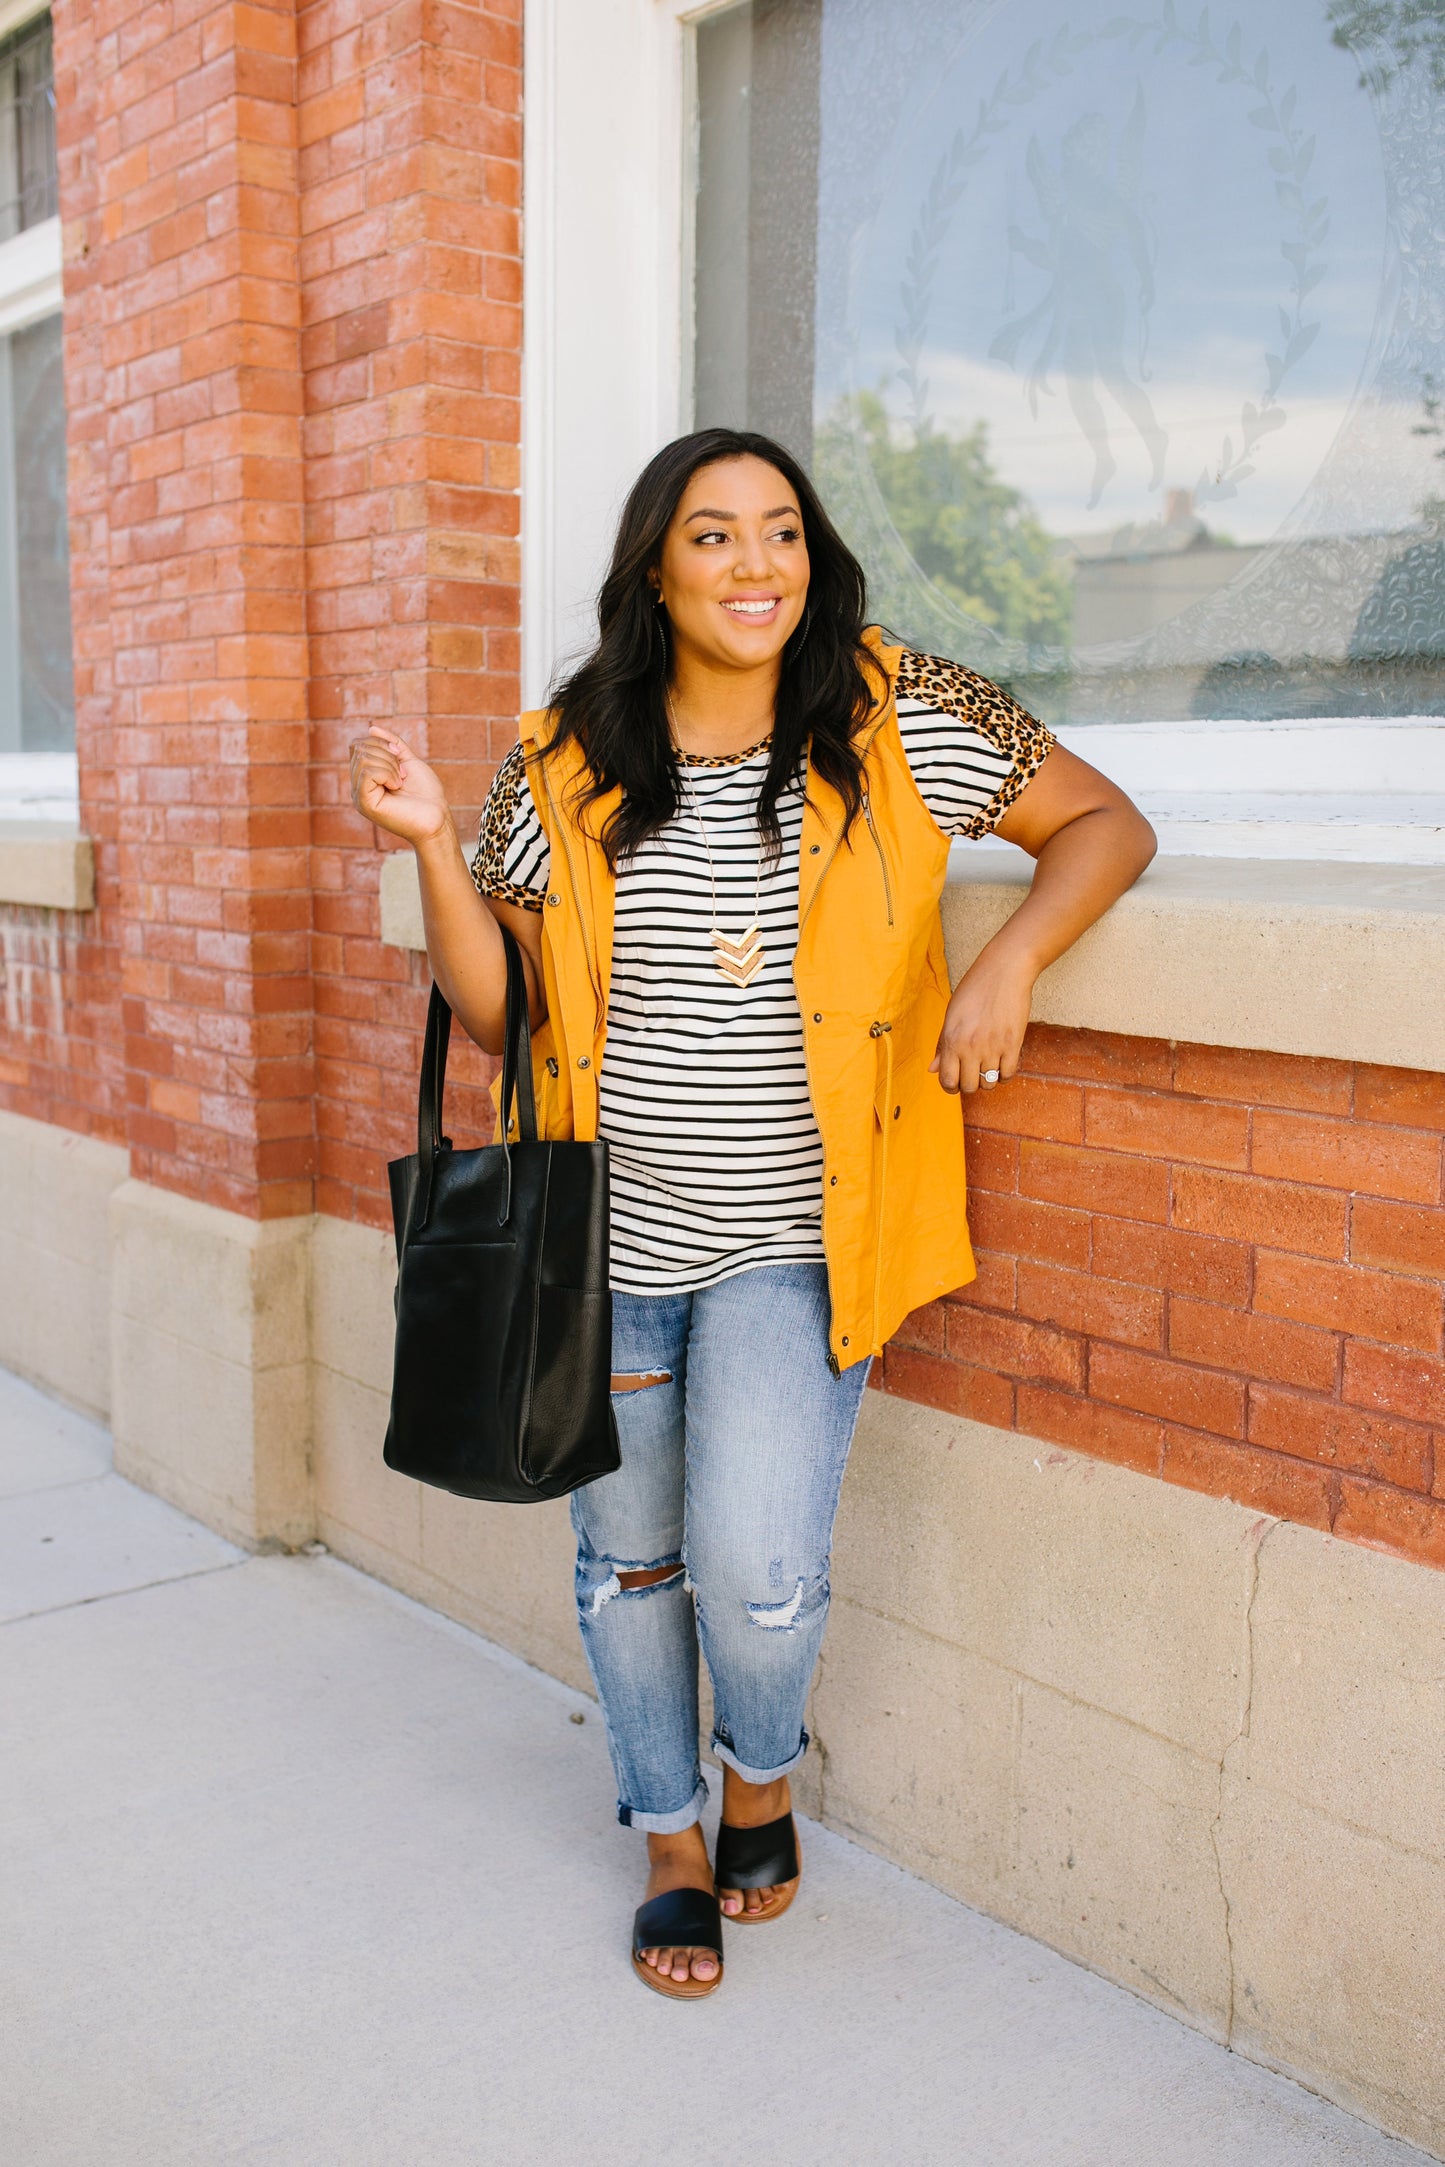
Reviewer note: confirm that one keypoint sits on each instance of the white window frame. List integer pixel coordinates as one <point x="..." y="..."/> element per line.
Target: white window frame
<point x="606" y="380"/>
<point x="33" y="785"/>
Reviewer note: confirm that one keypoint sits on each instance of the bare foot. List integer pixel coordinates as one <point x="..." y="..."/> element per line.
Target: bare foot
<point x="752" y="1805"/>
<point x="679" y="1862"/>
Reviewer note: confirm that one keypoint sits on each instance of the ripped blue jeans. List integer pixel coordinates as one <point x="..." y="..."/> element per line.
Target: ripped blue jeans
<point x="730" y="1471"/>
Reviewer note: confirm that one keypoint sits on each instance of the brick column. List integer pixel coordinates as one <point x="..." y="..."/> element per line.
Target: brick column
<point x="196" y="160"/>
<point x="205" y="653"/>
<point x="410" y="168"/>
<point x="293" y="356"/>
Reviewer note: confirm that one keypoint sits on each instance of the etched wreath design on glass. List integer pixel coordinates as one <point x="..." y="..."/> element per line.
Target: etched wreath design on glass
<point x="1090" y="206"/>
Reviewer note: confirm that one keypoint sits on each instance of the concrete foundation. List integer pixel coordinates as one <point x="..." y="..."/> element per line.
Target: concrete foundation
<point x="210" y="1340"/>
<point x="55" y="1191"/>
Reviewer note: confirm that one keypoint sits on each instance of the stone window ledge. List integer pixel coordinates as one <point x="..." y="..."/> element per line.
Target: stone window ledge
<point x="48" y="864"/>
<point x="1344" y="961"/>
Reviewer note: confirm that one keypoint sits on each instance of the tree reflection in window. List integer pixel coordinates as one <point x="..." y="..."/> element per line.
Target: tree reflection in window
<point x="973" y="538"/>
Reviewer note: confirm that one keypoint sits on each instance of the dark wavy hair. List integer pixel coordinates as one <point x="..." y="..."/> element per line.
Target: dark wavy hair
<point x="615" y="703"/>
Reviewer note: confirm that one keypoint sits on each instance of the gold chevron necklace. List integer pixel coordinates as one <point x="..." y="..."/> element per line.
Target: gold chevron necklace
<point x="739" y="959"/>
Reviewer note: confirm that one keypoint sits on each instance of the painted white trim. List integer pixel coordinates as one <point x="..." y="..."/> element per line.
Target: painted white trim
<point x="30" y="275"/>
<point x="602" y="367"/>
<point x="39" y="786"/>
<point x="539" y="372"/>
<point x="606" y="374"/>
<point x="15" y="14"/>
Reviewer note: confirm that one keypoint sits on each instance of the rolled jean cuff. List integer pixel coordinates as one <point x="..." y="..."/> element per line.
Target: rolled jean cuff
<point x="758" y="1775"/>
<point x="665" y="1824"/>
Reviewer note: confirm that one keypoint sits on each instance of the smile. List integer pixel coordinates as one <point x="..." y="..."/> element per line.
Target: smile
<point x="760" y="608"/>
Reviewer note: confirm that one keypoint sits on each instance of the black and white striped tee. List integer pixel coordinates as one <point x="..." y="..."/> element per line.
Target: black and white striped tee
<point x="716" y="1160"/>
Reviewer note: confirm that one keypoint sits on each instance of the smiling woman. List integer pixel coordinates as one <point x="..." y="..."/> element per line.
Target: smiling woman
<point x="722" y="850"/>
<point x="750" y="595"/>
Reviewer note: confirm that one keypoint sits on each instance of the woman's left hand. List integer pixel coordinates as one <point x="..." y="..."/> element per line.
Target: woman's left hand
<point x="1088" y="844"/>
<point x="984" y="1028"/>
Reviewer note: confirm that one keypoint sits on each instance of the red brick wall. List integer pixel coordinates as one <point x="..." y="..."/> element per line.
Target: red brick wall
<point x="1222" y="1268"/>
<point x="293" y="335"/>
<point x="196" y="158"/>
<point x="410" y="168"/>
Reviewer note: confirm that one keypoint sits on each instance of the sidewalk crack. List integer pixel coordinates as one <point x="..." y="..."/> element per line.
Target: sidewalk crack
<point x="139" y="1587"/>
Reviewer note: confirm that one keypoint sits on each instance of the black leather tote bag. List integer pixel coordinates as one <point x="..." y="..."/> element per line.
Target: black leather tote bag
<point x="501" y="1386"/>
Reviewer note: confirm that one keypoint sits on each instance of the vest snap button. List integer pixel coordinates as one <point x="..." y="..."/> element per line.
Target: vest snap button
<point x="813" y="849"/>
<point x="582" y="1061"/>
<point x="832" y="1181"/>
<point x="817" y="1018"/>
<point x="897" y="1111"/>
<point x="554" y="900"/>
<point x="845" y="1339"/>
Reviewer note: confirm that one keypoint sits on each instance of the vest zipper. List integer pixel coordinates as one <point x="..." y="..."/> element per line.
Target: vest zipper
<point x="837" y="842"/>
<point x="561" y="833"/>
<point x="878" y="846"/>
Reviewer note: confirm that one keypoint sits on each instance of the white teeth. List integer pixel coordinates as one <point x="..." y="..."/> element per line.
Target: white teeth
<point x="751" y="609"/>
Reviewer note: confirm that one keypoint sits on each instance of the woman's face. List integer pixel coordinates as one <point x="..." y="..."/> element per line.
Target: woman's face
<point x="734" y="565"/>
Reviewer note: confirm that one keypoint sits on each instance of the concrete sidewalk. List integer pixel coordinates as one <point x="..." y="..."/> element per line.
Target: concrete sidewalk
<point x="297" y="1872"/>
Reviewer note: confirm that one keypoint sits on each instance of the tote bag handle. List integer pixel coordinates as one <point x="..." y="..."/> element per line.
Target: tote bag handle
<point x="516" y="1079"/>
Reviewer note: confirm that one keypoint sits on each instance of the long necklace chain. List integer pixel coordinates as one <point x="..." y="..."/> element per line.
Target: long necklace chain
<point x="740" y="959"/>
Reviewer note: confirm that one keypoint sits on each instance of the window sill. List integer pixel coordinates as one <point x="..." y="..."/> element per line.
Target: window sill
<point x="47" y="864"/>
<point x="1343" y="961"/>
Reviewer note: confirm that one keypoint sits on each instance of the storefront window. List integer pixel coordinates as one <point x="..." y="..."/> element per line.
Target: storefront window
<point x="28" y="182"/>
<point x="37" y="701"/>
<point x="1116" y="340"/>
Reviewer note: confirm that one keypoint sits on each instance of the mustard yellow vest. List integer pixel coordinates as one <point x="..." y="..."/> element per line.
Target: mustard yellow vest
<point x="872" y="983"/>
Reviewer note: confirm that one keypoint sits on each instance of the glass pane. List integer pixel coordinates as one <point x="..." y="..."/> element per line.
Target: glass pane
<point x="29" y="186"/>
<point x="42" y="551"/>
<point x="1122" y="334"/>
<point x="756" y="242"/>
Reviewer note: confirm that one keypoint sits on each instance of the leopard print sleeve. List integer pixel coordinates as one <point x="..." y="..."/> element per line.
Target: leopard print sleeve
<point x="971" y="748"/>
<point x="512" y="859"/>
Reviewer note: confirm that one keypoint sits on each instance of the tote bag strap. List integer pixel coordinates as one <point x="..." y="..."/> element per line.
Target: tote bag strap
<point x="517" y="1049"/>
<point x="516" y="1078"/>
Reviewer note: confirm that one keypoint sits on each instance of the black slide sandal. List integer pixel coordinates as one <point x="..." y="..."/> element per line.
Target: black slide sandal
<point x="682" y="1919"/>
<point x="758" y="1858"/>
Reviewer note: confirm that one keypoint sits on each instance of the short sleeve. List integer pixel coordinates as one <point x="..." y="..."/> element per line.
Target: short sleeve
<point x="513" y="857"/>
<point x="972" y="750"/>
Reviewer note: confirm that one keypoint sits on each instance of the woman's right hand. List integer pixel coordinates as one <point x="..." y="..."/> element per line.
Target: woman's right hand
<point x="393" y="786"/>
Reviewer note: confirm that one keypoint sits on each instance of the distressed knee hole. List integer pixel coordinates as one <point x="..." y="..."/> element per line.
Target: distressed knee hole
<point x="778" y="1617"/>
<point x="638" y="1380"/>
<point x="653" y="1579"/>
<point x="628" y="1580"/>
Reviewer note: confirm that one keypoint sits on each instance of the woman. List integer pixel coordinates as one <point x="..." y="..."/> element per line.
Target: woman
<point x="722" y="850"/>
